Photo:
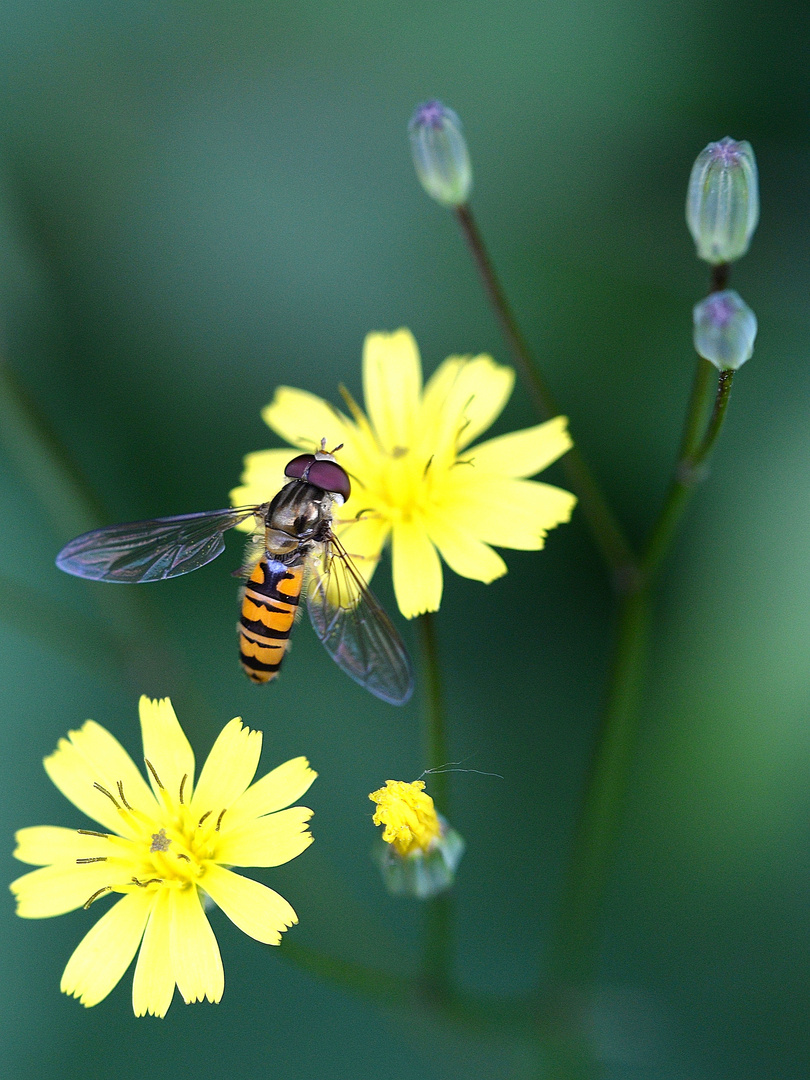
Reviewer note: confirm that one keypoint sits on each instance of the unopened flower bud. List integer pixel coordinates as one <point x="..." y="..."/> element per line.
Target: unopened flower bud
<point x="722" y="201"/>
<point x="724" y="328"/>
<point x="419" y="852"/>
<point x="440" y="153"/>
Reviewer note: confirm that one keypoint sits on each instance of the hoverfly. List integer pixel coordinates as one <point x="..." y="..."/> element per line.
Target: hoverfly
<point x="297" y="553"/>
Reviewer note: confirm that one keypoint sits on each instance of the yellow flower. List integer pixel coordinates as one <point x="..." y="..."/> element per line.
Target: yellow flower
<point x="410" y="819"/>
<point x="415" y="478"/>
<point x="165" y="843"/>
<point x="420" y="852"/>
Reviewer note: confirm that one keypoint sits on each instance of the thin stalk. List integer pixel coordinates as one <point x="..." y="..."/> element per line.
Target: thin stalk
<point x="435" y="736"/>
<point x="574" y="950"/>
<point x="438" y="930"/>
<point x="604" y="527"/>
<point x="689" y="472"/>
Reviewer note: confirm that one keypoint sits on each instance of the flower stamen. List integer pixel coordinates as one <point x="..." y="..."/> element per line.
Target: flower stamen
<point x="182" y="787"/>
<point x="153" y="771"/>
<point x="120" y="786"/>
<point x="96" y="895"/>
<point x="202" y="819"/>
<point x="219" y="819"/>
<point x="92" y="832"/>
<point x="109" y="794"/>
<point x="149" y="881"/>
<point x="95" y="858"/>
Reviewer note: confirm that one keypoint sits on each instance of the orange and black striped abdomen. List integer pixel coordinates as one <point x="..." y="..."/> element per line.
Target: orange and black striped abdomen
<point x="268" y="612"/>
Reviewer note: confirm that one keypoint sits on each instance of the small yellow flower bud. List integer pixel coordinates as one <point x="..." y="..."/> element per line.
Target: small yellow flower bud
<point x="419" y="852"/>
<point x="440" y="153"/>
<point x="722" y="201"/>
<point x="724" y="329"/>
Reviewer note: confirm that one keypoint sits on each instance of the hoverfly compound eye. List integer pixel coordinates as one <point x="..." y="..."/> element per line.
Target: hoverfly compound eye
<point x="298" y="466"/>
<point x="330" y="476"/>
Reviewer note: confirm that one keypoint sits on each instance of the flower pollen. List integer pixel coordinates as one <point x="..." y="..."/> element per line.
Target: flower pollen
<point x="408" y="814"/>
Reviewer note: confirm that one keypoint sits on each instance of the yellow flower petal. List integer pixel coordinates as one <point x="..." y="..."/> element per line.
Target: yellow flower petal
<point x="166" y="747"/>
<point x="416" y="568"/>
<point x="63" y="887"/>
<point x="523" y="453"/>
<point x="392" y="385"/>
<point x="462" y="398"/>
<point x="153" y="983"/>
<point x="91" y="755"/>
<point x="277" y="789"/>
<point x="196" y="962"/>
<point x="255" y="909"/>
<point x="107" y="949"/>
<point x="510" y="513"/>
<point x="463" y="553"/>
<point x="264" y="470"/>
<point x="230" y="767"/>
<point x="42" y="845"/>
<point x="304" y="419"/>
<point x="266" y="841"/>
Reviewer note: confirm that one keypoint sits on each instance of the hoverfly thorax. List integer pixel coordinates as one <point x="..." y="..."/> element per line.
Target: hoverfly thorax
<point x="300" y="512"/>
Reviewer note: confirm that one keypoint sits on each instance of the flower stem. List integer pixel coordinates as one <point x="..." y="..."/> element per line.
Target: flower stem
<point x="604" y="527"/>
<point x="438" y="940"/>
<point x="435" y="749"/>
<point x="574" y="949"/>
<point x="689" y="472"/>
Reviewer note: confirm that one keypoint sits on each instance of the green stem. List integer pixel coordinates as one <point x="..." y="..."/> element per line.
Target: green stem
<point x="471" y="1011"/>
<point x="604" y="527"/>
<point x="72" y="507"/>
<point x="689" y="472"/>
<point x="435" y="737"/>
<point x="438" y="940"/>
<point x="41" y="459"/>
<point x="574" y="950"/>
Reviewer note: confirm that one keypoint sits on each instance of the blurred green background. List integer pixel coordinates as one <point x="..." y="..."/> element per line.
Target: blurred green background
<point x="200" y="201"/>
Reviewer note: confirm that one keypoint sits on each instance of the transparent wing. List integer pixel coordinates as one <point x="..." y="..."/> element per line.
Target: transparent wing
<point x="151" y="550"/>
<point x="354" y="629"/>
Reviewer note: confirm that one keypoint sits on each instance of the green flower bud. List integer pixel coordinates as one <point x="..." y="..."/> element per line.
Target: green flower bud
<point x="724" y="329"/>
<point x="722" y="201"/>
<point x="418" y="852"/>
<point x="440" y="153"/>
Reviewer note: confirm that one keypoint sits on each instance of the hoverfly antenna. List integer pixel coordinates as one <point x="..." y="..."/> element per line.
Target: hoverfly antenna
<point x="338" y="447"/>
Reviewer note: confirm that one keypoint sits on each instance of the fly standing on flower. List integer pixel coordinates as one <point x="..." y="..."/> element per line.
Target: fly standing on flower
<point x="293" y="553"/>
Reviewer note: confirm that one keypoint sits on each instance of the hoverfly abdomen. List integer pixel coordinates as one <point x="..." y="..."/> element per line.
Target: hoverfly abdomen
<point x="269" y="607"/>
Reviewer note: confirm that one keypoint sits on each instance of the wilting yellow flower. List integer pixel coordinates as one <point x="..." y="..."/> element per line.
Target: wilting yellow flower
<point x="408" y="814"/>
<point x="420" y="852"/>
<point x="415" y="477"/>
<point x="167" y="843"/>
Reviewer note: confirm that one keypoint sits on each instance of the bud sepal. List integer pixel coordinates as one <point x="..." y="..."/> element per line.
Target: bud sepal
<point x="440" y="154"/>
<point x="725" y="329"/>
<point x="418" y="852"/>
<point x="722" y="200"/>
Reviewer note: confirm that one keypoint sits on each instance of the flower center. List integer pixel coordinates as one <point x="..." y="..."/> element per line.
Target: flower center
<point x="165" y="847"/>
<point x="409" y="816"/>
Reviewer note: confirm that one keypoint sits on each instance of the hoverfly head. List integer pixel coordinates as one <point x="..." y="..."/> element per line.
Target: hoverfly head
<point x="322" y="471"/>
